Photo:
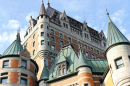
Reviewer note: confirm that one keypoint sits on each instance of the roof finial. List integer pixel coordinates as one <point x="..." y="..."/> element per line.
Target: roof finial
<point x="85" y="18"/>
<point x="107" y="11"/>
<point x="42" y="1"/>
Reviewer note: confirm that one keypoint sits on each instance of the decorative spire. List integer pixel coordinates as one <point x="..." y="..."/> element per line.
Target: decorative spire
<point x="82" y="61"/>
<point x="48" y="4"/>
<point x="114" y="35"/>
<point x="45" y="73"/>
<point x="42" y="11"/>
<point x="18" y="34"/>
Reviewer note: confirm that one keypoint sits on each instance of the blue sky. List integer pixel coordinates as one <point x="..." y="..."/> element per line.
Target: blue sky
<point x="16" y="12"/>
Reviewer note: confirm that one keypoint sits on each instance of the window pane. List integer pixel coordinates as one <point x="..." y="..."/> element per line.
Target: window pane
<point x="42" y="42"/>
<point x="53" y="39"/>
<point x="85" y="46"/>
<point x="23" y="81"/>
<point x="4" y="80"/>
<point x="41" y="26"/>
<point x="60" y="72"/>
<point x="85" y="84"/>
<point x="6" y="64"/>
<point x="52" y="31"/>
<point x="119" y="63"/>
<point x="93" y="56"/>
<point x="42" y="33"/>
<point x="69" y="39"/>
<point x="52" y="47"/>
<point x="24" y="64"/>
<point x="87" y="54"/>
<point x="64" y="70"/>
<point x="61" y="35"/>
<point x="61" y="43"/>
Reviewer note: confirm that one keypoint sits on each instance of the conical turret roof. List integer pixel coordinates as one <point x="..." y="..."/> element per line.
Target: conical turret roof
<point x="43" y="10"/>
<point x="82" y="61"/>
<point x="14" y="48"/>
<point x="45" y="73"/>
<point x="114" y="35"/>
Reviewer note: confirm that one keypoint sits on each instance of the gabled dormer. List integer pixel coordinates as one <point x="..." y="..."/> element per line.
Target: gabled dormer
<point x="61" y="65"/>
<point x="64" y="20"/>
<point x="103" y="38"/>
<point x="85" y="31"/>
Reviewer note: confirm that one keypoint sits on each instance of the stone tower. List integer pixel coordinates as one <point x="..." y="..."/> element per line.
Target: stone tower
<point x="117" y="53"/>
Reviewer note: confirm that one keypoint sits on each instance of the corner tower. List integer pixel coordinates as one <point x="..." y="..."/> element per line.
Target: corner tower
<point x="118" y="55"/>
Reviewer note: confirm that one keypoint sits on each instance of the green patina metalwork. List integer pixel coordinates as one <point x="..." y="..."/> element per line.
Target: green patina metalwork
<point x="114" y="34"/>
<point x="14" y="48"/>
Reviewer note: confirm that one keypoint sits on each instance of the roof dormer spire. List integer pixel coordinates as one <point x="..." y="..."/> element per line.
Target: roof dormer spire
<point x="42" y="11"/>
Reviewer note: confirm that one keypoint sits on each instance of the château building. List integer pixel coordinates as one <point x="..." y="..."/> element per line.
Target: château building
<point x="58" y="50"/>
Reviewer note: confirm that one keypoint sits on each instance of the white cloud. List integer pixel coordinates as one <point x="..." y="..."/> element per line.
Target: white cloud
<point x="118" y="16"/>
<point x="12" y="24"/>
<point x="33" y="14"/>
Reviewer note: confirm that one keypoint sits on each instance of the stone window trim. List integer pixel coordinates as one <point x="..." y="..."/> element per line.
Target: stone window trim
<point x="119" y="63"/>
<point x="52" y="31"/>
<point x="52" y="39"/>
<point x="42" y="26"/>
<point x="25" y="77"/>
<point x="4" y="78"/>
<point x="24" y="66"/>
<point x="61" y="67"/>
<point x="61" y="43"/>
<point x="34" y="36"/>
<point x="61" y="35"/>
<point x="53" y="47"/>
<point x="6" y="65"/>
<point x="86" y="84"/>
<point x="33" y="43"/>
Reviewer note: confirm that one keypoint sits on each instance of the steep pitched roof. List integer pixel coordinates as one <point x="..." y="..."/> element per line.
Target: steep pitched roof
<point x="42" y="11"/>
<point x="45" y="74"/>
<point x="69" y="55"/>
<point x="114" y="34"/>
<point x="82" y="61"/>
<point x="14" y="48"/>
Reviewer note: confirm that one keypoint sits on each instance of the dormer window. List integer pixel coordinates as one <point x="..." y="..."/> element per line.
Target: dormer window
<point x="62" y="68"/>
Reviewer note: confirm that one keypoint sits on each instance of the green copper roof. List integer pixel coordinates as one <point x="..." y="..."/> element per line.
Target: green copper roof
<point x="14" y="48"/>
<point x="66" y="54"/>
<point x="98" y="65"/>
<point x="82" y="61"/>
<point x="0" y="55"/>
<point x="62" y="58"/>
<point x="45" y="74"/>
<point x="114" y="34"/>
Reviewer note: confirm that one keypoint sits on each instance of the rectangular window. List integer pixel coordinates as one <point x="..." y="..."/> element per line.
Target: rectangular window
<point x="33" y="36"/>
<point x="93" y="56"/>
<point x="91" y="49"/>
<point x="62" y="43"/>
<point x="24" y="64"/>
<point x="4" y="74"/>
<point x="85" y="84"/>
<point x="69" y="39"/>
<point x="60" y="72"/>
<point x="52" y="31"/>
<point x="42" y="33"/>
<point x="25" y="75"/>
<point x="4" y="80"/>
<point x="85" y="46"/>
<point x="52" y="47"/>
<point x="53" y="39"/>
<point x="23" y="81"/>
<point x="87" y="54"/>
<point x="42" y="42"/>
<point x="97" y="52"/>
<point x="33" y="52"/>
<point x="119" y="63"/>
<point x="41" y="26"/>
<point x="52" y="58"/>
<point x="33" y="44"/>
<point x="6" y="64"/>
<point x="61" y="35"/>
<point x="64" y="71"/>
